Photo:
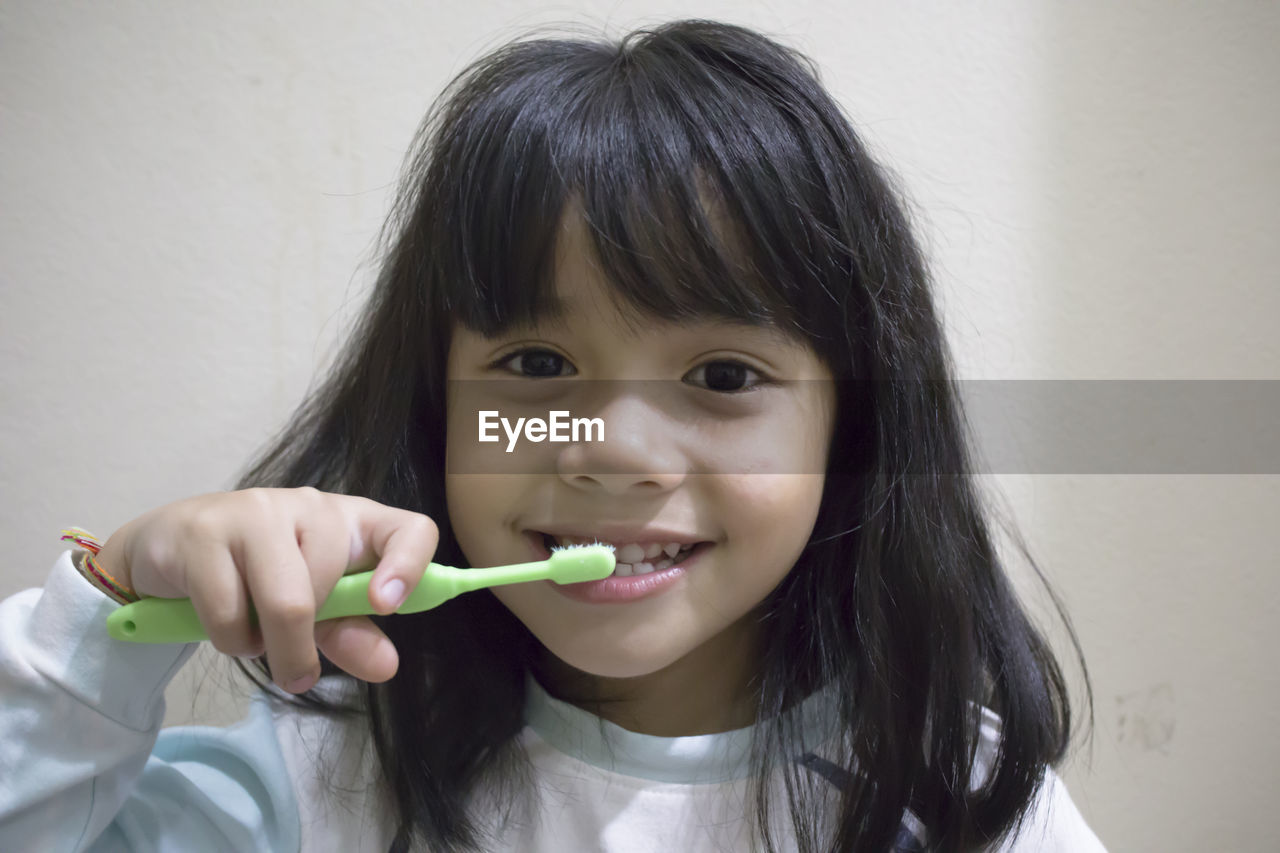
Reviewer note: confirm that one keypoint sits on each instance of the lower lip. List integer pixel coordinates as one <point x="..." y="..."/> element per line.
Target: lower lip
<point x="620" y="589"/>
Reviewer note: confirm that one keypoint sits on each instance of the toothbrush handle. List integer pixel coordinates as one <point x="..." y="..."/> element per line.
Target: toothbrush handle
<point x="469" y="580"/>
<point x="157" y="620"/>
<point x="174" y="620"/>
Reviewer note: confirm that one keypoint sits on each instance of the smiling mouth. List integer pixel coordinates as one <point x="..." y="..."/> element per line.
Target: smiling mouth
<point x="632" y="558"/>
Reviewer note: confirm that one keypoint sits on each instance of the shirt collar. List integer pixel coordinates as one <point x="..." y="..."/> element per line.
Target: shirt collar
<point x="690" y="760"/>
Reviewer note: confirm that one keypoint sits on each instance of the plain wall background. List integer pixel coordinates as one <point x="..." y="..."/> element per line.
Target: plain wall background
<point x="190" y="194"/>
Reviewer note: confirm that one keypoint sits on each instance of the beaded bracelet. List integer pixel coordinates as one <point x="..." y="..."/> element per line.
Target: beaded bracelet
<point x="88" y="566"/>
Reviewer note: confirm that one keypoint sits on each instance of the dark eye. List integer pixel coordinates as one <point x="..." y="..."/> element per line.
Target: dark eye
<point x="534" y="362"/>
<point x="726" y="377"/>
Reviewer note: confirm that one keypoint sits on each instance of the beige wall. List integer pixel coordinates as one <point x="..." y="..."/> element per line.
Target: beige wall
<point x="190" y="192"/>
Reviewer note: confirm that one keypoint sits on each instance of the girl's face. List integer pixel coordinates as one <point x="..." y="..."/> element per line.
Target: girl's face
<point x="726" y="448"/>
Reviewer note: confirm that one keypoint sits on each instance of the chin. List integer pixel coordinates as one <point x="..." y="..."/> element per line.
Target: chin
<point x="608" y="663"/>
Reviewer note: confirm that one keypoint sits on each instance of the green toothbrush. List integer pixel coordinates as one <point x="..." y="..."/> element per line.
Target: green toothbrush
<point x="174" y="620"/>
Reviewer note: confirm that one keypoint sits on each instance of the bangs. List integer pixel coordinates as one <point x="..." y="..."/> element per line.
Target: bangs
<point x="697" y="187"/>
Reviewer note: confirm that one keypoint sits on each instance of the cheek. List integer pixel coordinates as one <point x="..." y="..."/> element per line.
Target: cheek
<point x="791" y="441"/>
<point x="475" y="497"/>
<point x="773" y="502"/>
<point x="476" y="504"/>
<point x="460" y="445"/>
<point x="772" y="517"/>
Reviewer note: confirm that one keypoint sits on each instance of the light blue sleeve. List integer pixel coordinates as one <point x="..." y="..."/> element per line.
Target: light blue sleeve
<point x="84" y="764"/>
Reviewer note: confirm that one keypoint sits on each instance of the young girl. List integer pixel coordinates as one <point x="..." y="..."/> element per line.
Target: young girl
<point x="817" y="648"/>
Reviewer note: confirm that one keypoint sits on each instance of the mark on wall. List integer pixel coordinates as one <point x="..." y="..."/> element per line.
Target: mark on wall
<point x="1145" y="719"/>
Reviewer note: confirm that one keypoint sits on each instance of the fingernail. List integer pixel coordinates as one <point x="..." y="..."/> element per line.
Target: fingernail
<point x="393" y="591"/>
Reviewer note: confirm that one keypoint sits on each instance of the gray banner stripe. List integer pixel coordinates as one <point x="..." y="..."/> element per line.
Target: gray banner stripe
<point x="1015" y="426"/>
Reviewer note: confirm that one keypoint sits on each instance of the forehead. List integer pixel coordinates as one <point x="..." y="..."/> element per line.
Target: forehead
<point x="581" y="291"/>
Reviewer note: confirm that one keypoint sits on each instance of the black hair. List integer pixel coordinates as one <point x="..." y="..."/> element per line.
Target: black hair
<point x="717" y="178"/>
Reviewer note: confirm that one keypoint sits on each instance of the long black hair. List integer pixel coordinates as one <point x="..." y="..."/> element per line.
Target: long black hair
<point x="719" y="178"/>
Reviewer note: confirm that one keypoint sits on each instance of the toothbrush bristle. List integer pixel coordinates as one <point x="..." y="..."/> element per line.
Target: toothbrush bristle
<point x="593" y="544"/>
<point x="578" y="563"/>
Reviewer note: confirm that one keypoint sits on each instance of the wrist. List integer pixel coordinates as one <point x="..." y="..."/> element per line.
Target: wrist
<point x="110" y="559"/>
<point x="111" y="579"/>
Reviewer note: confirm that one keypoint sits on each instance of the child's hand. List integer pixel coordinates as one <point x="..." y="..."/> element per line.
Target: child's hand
<point x="285" y="549"/>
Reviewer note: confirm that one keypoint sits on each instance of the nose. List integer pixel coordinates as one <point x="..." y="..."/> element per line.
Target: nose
<point x="640" y="453"/>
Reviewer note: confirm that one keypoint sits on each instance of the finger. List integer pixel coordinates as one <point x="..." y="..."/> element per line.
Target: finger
<point x="281" y="588"/>
<point x="358" y="646"/>
<point x="323" y="537"/>
<point x="218" y="594"/>
<point x="402" y="542"/>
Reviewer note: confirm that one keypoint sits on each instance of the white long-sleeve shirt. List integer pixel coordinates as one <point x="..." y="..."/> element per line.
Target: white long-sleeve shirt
<point x="85" y="765"/>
